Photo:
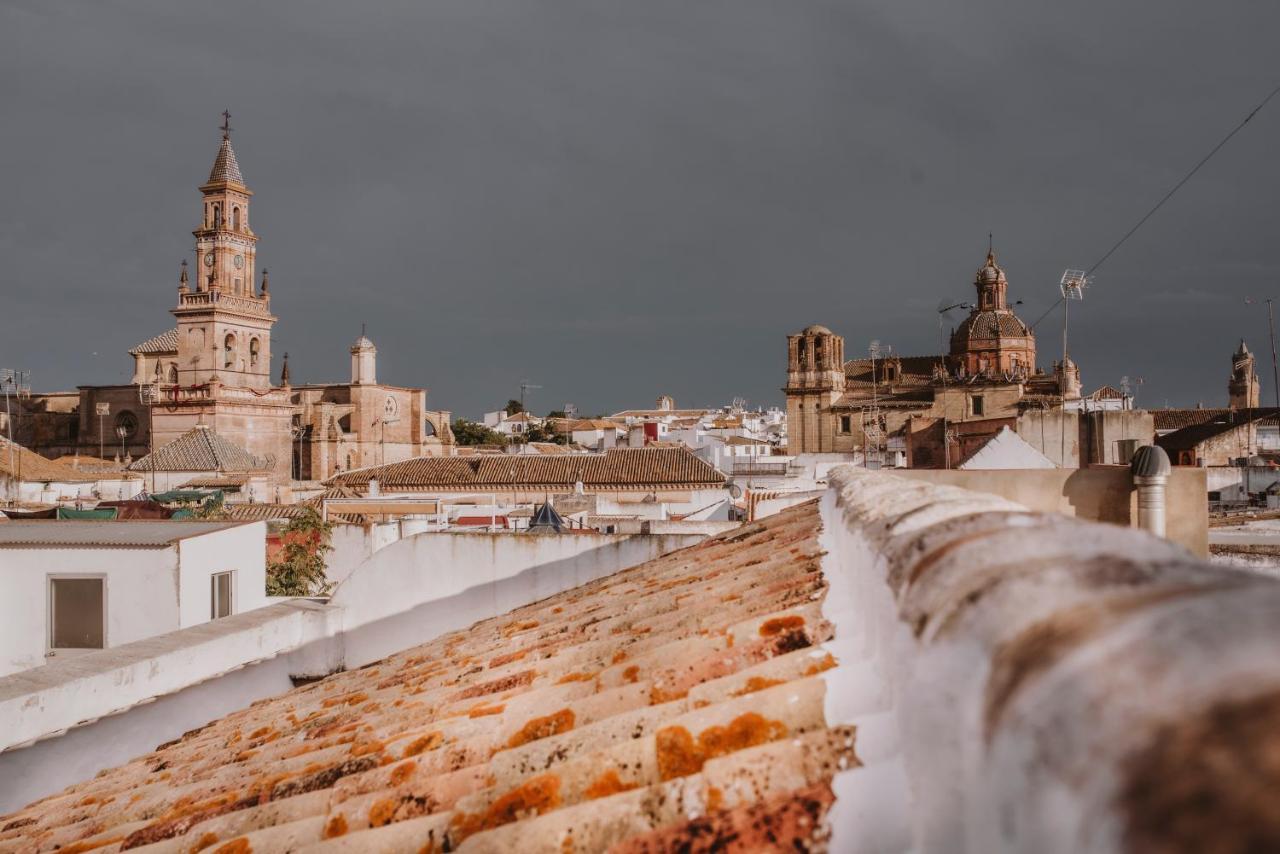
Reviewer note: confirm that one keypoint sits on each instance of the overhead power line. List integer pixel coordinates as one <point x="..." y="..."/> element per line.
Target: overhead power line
<point x="1176" y="187"/>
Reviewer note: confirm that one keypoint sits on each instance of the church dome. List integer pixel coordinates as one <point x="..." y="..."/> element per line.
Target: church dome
<point x="983" y="325"/>
<point x="362" y="343"/>
<point x="817" y="329"/>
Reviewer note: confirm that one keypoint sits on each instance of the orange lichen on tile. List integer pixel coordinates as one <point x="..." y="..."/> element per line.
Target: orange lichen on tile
<point x="335" y="826"/>
<point x="757" y="683"/>
<point x="715" y="799"/>
<point x="88" y="845"/>
<point x="402" y="772"/>
<point x="778" y="625"/>
<point x="631" y="674"/>
<point x="552" y="724"/>
<point x="206" y="839"/>
<point x="620" y="656"/>
<point x="659" y="695"/>
<point x="423" y="743"/>
<point x="679" y="755"/>
<point x="382" y="812"/>
<point x="482" y="711"/>
<point x="535" y="796"/>
<point x="239" y="845"/>
<point x="580" y="676"/>
<point x="828" y="661"/>
<point x="608" y="783"/>
<point x="498" y="661"/>
<point x="522" y="626"/>
<point x="364" y="748"/>
<point x="259" y="732"/>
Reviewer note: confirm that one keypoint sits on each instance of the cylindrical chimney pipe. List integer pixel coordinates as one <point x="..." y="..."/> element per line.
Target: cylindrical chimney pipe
<point x="1150" y="468"/>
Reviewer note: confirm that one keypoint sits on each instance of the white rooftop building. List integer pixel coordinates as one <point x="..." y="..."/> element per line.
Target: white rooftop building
<point x="76" y="586"/>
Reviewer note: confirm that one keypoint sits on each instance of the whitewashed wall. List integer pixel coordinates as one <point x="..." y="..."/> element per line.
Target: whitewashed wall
<point x="1055" y="685"/>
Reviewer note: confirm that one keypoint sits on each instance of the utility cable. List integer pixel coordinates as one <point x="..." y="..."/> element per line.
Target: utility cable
<point x="1169" y="195"/>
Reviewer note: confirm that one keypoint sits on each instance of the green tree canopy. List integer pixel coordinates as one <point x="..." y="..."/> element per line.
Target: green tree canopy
<point x="473" y="433"/>
<point x="299" y="569"/>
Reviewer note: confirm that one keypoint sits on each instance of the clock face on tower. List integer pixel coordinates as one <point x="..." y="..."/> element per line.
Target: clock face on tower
<point x="208" y="259"/>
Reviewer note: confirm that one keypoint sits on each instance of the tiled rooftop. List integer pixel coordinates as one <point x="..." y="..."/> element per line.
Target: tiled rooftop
<point x="20" y="462"/>
<point x="165" y="342"/>
<point x="676" y="705"/>
<point x="226" y="169"/>
<point x="200" y="449"/>
<point x="75" y="533"/>
<point x="616" y="467"/>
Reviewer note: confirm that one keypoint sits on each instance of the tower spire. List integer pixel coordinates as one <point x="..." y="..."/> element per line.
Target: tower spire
<point x="226" y="124"/>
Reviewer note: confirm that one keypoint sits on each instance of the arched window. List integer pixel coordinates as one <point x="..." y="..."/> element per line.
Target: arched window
<point x="235" y="218"/>
<point x="228" y="351"/>
<point x="428" y="430"/>
<point x="253" y="352"/>
<point x="173" y="373"/>
<point x="217" y="216"/>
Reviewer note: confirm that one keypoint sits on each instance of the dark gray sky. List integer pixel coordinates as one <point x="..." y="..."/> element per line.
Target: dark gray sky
<point x="618" y="200"/>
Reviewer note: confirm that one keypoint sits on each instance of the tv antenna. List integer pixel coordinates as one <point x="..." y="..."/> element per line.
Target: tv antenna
<point x="872" y="430"/>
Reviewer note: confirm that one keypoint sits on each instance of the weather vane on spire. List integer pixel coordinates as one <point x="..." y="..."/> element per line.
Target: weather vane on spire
<point x="226" y="124"/>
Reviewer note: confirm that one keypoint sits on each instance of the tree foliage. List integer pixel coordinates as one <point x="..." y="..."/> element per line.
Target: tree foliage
<point x="513" y="406"/>
<point x="543" y="433"/>
<point x="299" y="569"/>
<point x="473" y="433"/>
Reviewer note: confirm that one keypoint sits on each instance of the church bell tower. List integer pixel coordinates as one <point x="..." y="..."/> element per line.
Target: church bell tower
<point x="224" y="323"/>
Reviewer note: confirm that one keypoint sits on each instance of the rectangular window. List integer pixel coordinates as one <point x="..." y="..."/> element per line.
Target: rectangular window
<point x="77" y="613"/>
<point x="846" y="423"/>
<point x="975" y="403"/>
<point x="1125" y="449"/>
<point x="220" y="595"/>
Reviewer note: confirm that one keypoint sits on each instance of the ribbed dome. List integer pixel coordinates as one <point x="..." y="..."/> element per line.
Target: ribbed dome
<point x="983" y="325"/>
<point x="1150" y="461"/>
<point x="817" y="329"/>
<point x="362" y="343"/>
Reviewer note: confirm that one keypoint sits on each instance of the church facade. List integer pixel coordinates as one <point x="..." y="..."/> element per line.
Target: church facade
<point x="932" y="409"/>
<point x="214" y="369"/>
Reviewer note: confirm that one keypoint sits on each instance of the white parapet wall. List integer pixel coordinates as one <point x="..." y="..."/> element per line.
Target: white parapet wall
<point x="1054" y="685"/>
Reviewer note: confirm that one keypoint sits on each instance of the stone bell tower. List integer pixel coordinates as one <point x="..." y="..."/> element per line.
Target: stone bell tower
<point x="224" y="323"/>
<point x="223" y="345"/>
<point x="815" y="380"/>
<point x="1243" y="389"/>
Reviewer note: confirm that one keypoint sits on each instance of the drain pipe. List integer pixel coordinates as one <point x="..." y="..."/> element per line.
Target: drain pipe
<point x="1150" y="468"/>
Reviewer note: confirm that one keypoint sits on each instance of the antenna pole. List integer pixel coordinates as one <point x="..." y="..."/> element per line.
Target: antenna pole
<point x="1275" y="371"/>
<point x="1066" y="314"/>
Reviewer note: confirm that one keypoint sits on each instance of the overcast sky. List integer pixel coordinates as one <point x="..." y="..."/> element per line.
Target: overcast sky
<point x="620" y="200"/>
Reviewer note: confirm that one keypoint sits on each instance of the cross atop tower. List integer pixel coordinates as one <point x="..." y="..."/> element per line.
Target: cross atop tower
<point x="226" y="124"/>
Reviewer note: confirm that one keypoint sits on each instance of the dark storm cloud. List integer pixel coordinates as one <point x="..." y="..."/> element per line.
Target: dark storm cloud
<point x="620" y="200"/>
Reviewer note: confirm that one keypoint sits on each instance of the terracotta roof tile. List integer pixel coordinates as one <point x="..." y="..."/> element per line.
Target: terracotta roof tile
<point x="165" y="342"/>
<point x="17" y="461"/>
<point x="621" y="715"/>
<point x="226" y="169"/>
<point x="915" y="371"/>
<point x="1176" y="419"/>
<point x="616" y="467"/>
<point x="200" y="449"/>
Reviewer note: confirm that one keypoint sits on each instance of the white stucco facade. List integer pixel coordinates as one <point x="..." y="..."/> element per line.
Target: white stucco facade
<point x="156" y="578"/>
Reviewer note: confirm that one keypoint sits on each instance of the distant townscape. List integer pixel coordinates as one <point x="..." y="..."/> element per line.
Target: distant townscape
<point x="892" y="613"/>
